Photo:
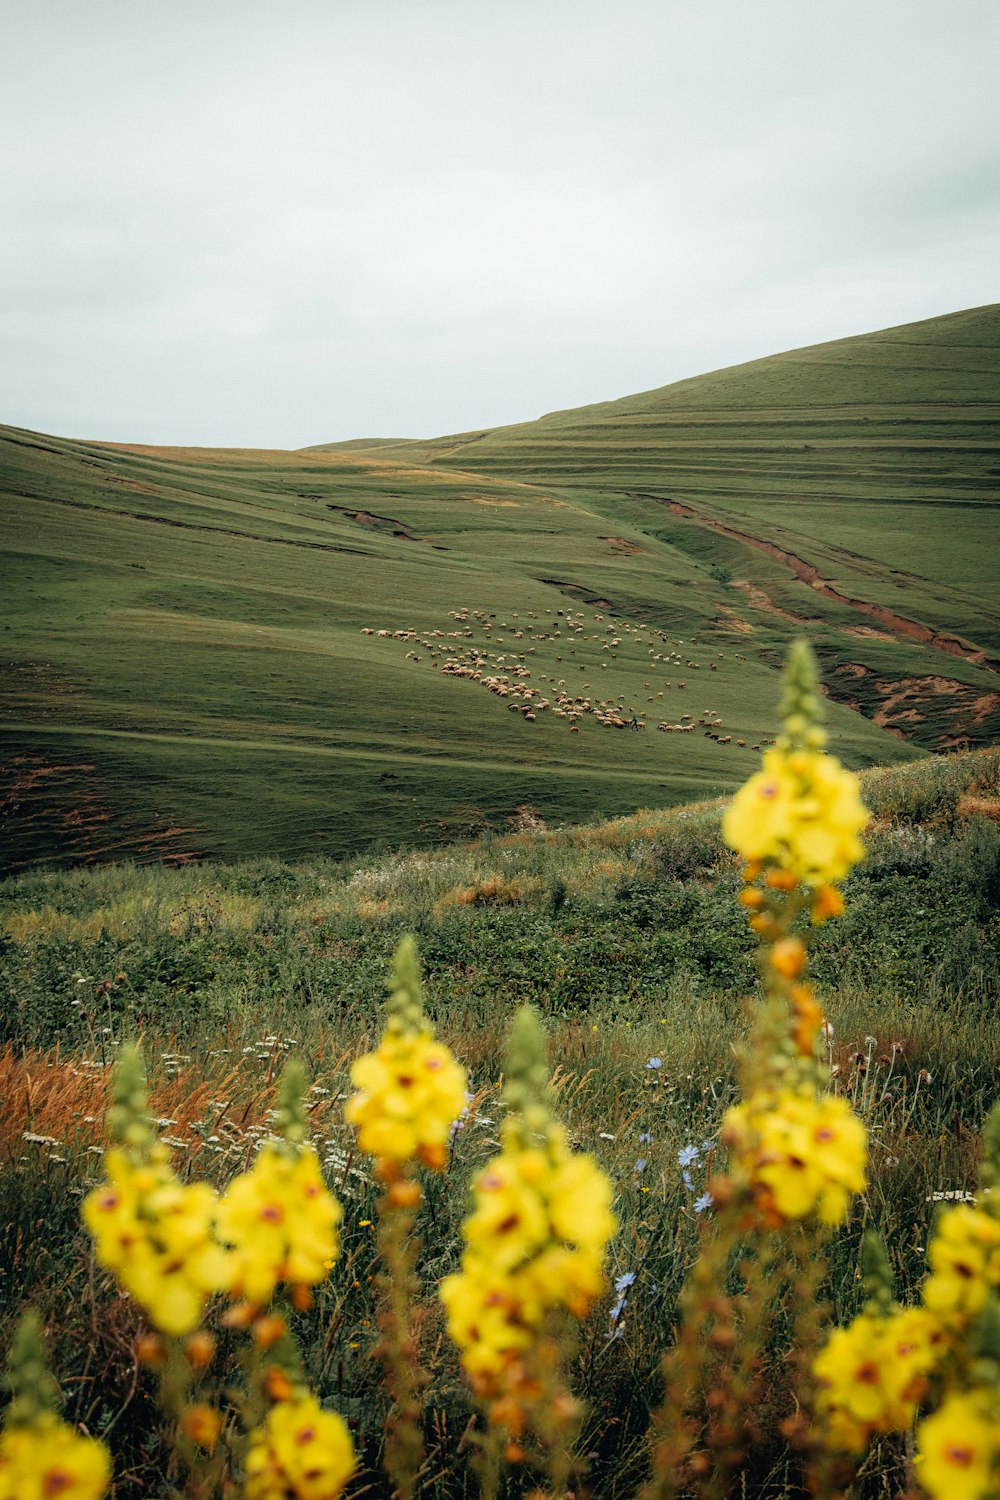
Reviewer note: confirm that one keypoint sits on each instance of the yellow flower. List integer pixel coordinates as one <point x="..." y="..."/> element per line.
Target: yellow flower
<point x="410" y="1092"/>
<point x="872" y="1374"/>
<point x="912" y="1343"/>
<point x="157" y="1235"/>
<point x="301" y="1451"/>
<point x="958" y="1446"/>
<point x="280" y="1221"/>
<point x="851" y="1402"/>
<point x="965" y="1262"/>
<point x="47" y="1459"/>
<point x="801" y="1155"/>
<point x="535" y="1243"/>
<point x="803" y="813"/>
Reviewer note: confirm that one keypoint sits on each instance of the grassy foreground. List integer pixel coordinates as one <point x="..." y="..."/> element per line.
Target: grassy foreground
<point x="626" y="934"/>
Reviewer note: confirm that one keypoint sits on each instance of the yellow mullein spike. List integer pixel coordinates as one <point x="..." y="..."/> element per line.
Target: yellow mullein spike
<point x="40" y="1455"/>
<point x="410" y="1090"/>
<point x="300" y="1449"/>
<point x="536" y="1236"/>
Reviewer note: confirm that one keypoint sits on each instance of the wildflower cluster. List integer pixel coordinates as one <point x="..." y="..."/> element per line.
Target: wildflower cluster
<point x="280" y="1222"/>
<point x="797" y="1154"/>
<point x="48" y="1458"/>
<point x="964" y="1257"/>
<point x="802" y="812"/>
<point x="410" y="1093"/>
<point x="298" y="1451"/>
<point x="154" y="1232"/>
<point x="40" y="1455"/>
<point x="174" y="1245"/>
<point x="797" y="1151"/>
<point x="411" y="1089"/>
<point x="875" y="1375"/>
<point x="535" y="1242"/>
<point x="801" y="1155"/>
<point x="958" y="1448"/>
<point x="689" y="1159"/>
<point x="535" y="1239"/>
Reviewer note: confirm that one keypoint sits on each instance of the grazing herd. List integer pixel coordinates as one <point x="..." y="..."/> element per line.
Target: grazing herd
<point x="457" y="653"/>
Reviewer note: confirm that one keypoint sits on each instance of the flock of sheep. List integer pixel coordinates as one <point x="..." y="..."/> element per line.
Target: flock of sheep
<point x="507" y="675"/>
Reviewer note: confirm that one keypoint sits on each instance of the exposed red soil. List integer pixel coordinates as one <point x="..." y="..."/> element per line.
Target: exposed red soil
<point x="622" y="544"/>
<point x="64" y="803"/>
<point x="730" y="620"/>
<point x="906" y="702"/>
<point x="761" y="600"/>
<point x="897" y="625"/>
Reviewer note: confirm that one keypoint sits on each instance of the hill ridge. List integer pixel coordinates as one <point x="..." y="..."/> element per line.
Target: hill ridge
<point x="459" y="628"/>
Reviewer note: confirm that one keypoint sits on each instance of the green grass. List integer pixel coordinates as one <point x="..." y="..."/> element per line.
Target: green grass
<point x="629" y="938"/>
<point x="876" y="458"/>
<point x="184" y="672"/>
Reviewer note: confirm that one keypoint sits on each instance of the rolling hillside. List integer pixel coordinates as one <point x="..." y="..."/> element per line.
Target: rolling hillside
<point x="851" y="488"/>
<point x="232" y="653"/>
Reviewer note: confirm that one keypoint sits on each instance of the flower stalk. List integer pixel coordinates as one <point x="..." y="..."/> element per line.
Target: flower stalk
<point x="39" y="1453"/>
<point x="409" y="1093"/>
<point x="533" y="1262"/>
<point x="797" y="1153"/>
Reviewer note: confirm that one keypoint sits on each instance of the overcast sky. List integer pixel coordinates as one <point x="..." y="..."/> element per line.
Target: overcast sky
<point x="279" y="222"/>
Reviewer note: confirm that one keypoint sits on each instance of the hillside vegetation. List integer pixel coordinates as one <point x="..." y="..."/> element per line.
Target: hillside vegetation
<point x="244" y="653"/>
<point x="629" y="937"/>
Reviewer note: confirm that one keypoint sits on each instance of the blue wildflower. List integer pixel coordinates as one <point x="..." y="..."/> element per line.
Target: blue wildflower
<point x="705" y="1201"/>
<point x="655" y="1062"/>
<point x="645" y="1139"/>
<point x="687" y="1155"/>
<point x="687" y="1181"/>
<point x="624" y="1281"/>
<point x="640" y="1165"/>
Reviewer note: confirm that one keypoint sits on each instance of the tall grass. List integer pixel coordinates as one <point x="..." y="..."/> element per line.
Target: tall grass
<point x="225" y="972"/>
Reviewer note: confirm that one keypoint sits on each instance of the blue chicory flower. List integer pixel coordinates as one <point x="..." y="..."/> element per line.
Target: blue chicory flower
<point x="655" y="1062"/>
<point x="687" y="1155"/>
<point x="705" y="1201"/>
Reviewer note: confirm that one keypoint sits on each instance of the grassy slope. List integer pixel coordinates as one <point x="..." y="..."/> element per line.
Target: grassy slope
<point x="875" y="459"/>
<point x="185" y="670"/>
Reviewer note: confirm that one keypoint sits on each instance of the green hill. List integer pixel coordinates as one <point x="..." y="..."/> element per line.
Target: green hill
<point x="194" y="664"/>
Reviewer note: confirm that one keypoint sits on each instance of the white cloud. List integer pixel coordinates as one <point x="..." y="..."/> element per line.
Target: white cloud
<point x="279" y="225"/>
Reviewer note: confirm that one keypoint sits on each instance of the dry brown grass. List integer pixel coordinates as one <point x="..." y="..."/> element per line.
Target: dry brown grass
<point x="64" y="1098"/>
<point x="979" y="807"/>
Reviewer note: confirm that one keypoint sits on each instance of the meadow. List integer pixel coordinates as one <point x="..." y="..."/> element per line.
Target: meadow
<point x="267" y="713"/>
<point x="193" y="665"/>
<point x="629" y="937"/>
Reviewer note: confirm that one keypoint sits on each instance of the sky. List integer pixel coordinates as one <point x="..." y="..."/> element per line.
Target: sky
<point x="239" y="223"/>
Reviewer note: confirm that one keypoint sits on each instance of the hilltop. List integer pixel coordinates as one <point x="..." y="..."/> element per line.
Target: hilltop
<point x="233" y="653"/>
